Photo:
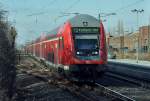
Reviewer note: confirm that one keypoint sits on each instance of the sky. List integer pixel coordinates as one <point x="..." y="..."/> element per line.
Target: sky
<point x="34" y="17"/>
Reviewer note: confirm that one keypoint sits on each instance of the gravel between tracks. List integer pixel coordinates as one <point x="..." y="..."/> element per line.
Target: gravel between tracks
<point x="30" y="88"/>
<point x="126" y="88"/>
<point x="137" y="93"/>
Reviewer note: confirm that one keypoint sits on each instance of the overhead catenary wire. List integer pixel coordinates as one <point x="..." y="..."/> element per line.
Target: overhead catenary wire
<point x="129" y="5"/>
<point x="72" y="5"/>
<point x="66" y="11"/>
<point x="123" y="8"/>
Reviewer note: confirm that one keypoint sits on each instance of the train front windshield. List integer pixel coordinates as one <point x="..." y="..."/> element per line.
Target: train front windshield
<point x="87" y="47"/>
<point x="86" y="42"/>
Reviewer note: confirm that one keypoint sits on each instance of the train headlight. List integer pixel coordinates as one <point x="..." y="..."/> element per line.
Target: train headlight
<point x="66" y="67"/>
<point x="95" y="52"/>
<point x="78" y="53"/>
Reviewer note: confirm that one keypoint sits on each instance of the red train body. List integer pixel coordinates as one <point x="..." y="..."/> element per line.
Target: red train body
<point x="78" y="47"/>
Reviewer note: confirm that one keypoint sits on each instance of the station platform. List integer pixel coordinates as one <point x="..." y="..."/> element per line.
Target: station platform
<point x="131" y="61"/>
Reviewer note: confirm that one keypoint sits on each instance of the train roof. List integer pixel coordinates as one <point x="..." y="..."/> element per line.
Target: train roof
<point x="80" y="19"/>
<point x="76" y="21"/>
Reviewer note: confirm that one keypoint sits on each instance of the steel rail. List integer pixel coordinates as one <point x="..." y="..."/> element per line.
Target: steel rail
<point x="113" y="93"/>
<point x="99" y="90"/>
<point x="76" y="90"/>
<point x="129" y="79"/>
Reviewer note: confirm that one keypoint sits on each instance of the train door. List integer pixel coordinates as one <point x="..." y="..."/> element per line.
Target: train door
<point x="41" y="50"/>
<point x="33" y="49"/>
<point x="48" y="52"/>
<point x="56" y="56"/>
<point x="60" y="49"/>
<point x="44" y="50"/>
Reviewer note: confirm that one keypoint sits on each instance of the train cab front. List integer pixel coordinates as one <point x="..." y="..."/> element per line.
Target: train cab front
<point x="87" y="62"/>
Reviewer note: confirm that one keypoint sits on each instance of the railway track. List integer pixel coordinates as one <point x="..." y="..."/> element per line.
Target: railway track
<point x="137" y="74"/>
<point x="127" y="86"/>
<point x="42" y="78"/>
<point x="33" y="86"/>
<point x="135" y="81"/>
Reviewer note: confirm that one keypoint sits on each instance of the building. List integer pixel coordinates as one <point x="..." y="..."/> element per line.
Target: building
<point x="144" y="38"/>
<point x="123" y="43"/>
<point x="129" y="43"/>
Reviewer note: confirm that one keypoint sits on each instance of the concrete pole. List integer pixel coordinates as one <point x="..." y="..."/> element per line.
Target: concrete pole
<point x="149" y="37"/>
<point x="137" y="14"/>
<point x="137" y="57"/>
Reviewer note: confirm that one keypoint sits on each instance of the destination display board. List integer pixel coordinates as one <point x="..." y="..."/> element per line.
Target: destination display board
<point x="85" y="30"/>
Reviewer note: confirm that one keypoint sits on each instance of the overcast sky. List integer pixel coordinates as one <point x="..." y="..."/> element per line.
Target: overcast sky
<point x="33" y="17"/>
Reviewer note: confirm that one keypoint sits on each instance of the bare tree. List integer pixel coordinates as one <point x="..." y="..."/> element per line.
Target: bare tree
<point x="7" y="62"/>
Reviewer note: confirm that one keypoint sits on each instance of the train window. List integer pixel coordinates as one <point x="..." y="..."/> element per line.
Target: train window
<point x="86" y="44"/>
<point x="62" y="42"/>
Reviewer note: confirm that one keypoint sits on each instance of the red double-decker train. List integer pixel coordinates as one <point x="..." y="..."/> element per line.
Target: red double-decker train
<point x="77" y="48"/>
